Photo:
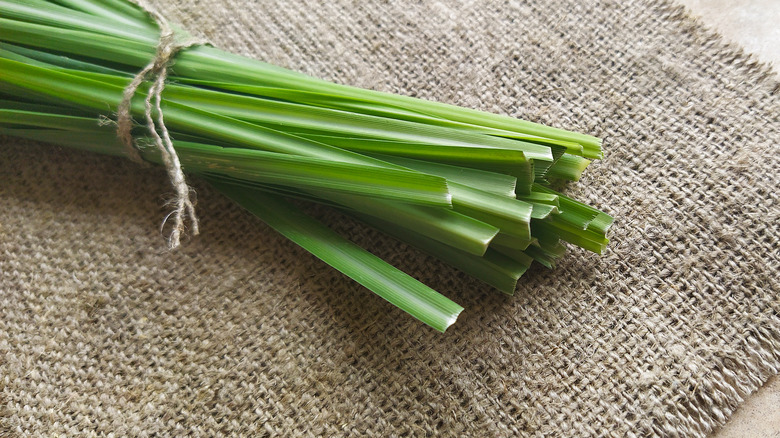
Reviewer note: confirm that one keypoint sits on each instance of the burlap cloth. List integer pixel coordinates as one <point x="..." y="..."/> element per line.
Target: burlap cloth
<point x="242" y="333"/>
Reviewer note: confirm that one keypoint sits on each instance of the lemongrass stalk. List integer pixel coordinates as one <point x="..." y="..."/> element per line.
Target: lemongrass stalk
<point x="567" y="167"/>
<point x="211" y="64"/>
<point x="506" y="161"/>
<point x="511" y="241"/>
<point x="367" y="269"/>
<point x="457" y="230"/>
<point x="335" y="101"/>
<point x="491" y="182"/>
<point x="98" y="95"/>
<point x="304" y="119"/>
<point x="120" y="12"/>
<point x="493" y="268"/>
<point x="253" y="165"/>
<point x="447" y="226"/>
<point x="510" y="215"/>
<point x="544" y="257"/>
<point x="578" y="214"/>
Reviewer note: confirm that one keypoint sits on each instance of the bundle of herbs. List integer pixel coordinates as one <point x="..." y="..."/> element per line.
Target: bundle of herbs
<point x="468" y="187"/>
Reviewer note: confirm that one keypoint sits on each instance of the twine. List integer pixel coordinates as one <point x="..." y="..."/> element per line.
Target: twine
<point x="167" y="48"/>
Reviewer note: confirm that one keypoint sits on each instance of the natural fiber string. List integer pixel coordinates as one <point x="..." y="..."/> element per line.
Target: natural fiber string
<point x="167" y="49"/>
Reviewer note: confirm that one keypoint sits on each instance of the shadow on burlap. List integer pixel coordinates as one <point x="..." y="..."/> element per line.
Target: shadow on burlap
<point x="240" y="332"/>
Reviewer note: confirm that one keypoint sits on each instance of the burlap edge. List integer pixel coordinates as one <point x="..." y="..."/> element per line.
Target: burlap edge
<point x="730" y="52"/>
<point x="710" y="407"/>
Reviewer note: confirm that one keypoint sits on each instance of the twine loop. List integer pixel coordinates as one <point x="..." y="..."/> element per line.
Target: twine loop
<point x="157" y="71"/>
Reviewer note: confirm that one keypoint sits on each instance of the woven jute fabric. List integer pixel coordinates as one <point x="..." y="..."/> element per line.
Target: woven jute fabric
<point x="103" y="332"/>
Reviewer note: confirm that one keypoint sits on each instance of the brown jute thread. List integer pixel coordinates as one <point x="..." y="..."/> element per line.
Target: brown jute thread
<point x="167" y="49"/>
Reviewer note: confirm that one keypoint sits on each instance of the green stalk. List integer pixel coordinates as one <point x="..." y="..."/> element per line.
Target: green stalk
<point x="568" y="167"/>
<point x="447" y="226"/>
<point x="578" y="214"/>
<point x="267" y="168"/>
<point x="457" y="230"/>
<point x="493" y="268"/>
<point x="370" y="271"/>
<point x="491" y="182"/>
<point x="210" y="64"/>
<point x="509" y="162"/>
<point x="97" y="95"/>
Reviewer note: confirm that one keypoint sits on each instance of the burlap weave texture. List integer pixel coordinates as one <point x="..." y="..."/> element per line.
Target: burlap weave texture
<point x="240" y="333"/>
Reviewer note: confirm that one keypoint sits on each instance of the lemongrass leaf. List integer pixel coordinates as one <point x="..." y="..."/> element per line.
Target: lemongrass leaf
<point x="56" y="16"/>
<point x="370" y="271"/>
<point x="543" y="211"/>
<point x="267" y="167"/>
<point x="115" y="11"/>
<point x="371" y="107"/>
<point x="510" y="215"/>
<point x="511" y="241"/>
<point x="492" y="268"/>
<point x="281" y="78"/>
<point x="578" y="214"/>
<point x="307" y="173"/>
<point x="568" y="167"/>
<point x="491" y="182"/>
<point x="545" y="258"/>
<point x="45" y="59"/>
<point x="586" y="239"/>
<point x="444" y="225"/>
<point x="88" y="93"/>
<point x="509" y="162"/>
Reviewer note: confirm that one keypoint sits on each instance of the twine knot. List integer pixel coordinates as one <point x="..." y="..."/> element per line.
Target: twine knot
<point x="157" y="71"/>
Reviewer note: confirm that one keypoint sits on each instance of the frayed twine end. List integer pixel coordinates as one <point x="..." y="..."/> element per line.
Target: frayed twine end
<point x="157" y="69"/>
<point x="182" y="207"/>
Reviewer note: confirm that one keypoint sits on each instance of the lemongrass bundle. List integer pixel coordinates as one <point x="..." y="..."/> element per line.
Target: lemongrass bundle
<point x="468" y="187"/>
